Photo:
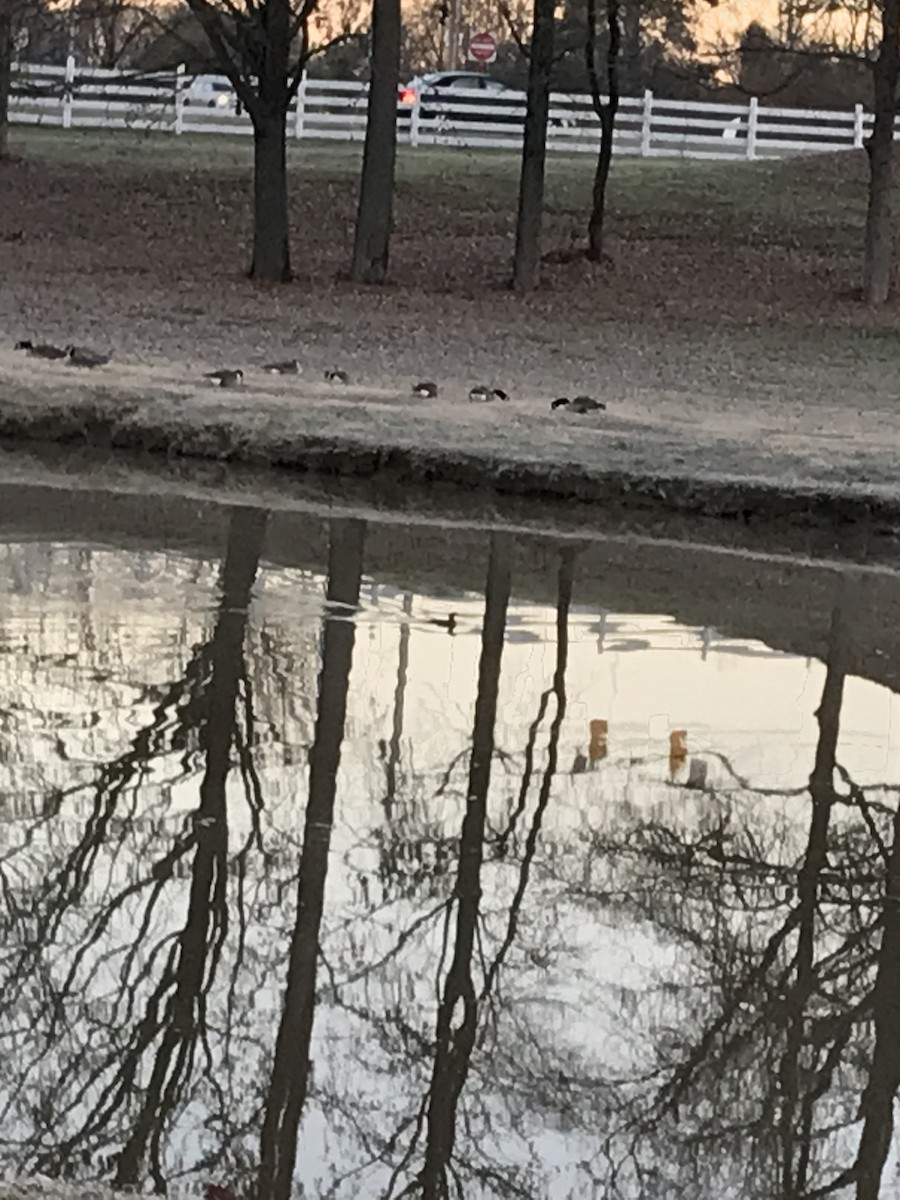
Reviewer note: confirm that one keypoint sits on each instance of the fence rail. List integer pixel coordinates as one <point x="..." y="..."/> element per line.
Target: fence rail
<point x="74" y="97"/>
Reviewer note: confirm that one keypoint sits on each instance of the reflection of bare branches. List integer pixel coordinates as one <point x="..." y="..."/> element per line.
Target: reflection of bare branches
<point x="291" y="1067"/>
<point x="105" y="1078"/>
<point x="563" y="603"/>
<point x="879" y="1097"/>
<point x="795" y="1150"/>
<point x="176" y="711"/>
<point x="393" y="758"/>
<point x="785" y="1012"/>
<point x="454" y="1044"/>
<point x="200" y="942"/>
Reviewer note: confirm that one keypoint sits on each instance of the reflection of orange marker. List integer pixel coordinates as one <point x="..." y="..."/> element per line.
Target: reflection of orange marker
<point x="597" y="749"/>
<point x="677" y="749"/>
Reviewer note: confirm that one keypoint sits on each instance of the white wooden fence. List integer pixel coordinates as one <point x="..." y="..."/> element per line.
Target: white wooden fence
<point x="72" y="97"/>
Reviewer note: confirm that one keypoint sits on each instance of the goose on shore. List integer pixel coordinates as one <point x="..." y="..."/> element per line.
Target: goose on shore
<point x="290" y="366"/>
<point x="581" y="404"/>
<point x="335" y="375"/>
<point x="41" y="350"/>
<point x="482" y="393"/>
<point x="225" y="377"/>
<point x="427" y="389"/>
<point x="80" y="356"/>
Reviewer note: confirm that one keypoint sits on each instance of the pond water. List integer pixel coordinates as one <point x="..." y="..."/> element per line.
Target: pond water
<point x="328" y="870"/>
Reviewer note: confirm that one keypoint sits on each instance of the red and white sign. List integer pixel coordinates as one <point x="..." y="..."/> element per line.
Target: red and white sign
<point x="483" y="47"/>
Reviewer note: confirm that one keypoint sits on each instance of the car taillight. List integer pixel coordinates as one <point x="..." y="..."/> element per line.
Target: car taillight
<point x="408" y="96"/>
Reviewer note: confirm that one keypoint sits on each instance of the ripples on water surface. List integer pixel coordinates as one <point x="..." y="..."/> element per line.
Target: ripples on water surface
<point x="332" y="879"/>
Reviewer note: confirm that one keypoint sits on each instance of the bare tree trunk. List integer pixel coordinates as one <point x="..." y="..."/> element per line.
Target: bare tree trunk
<point x="632" y="68"/>
<point x="606" y="111"/>
<point x="291" y="1067"/>
<point x="879" y="242"/>
<point x="453" y="29"/>
<point x="376" y="193"/>
<point x="6" y="54"/>
<point x="534" y="149"/>
<point x="271" y="245"/>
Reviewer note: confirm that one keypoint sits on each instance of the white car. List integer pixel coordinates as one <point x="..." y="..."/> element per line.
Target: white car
<point x="210" y="91"/>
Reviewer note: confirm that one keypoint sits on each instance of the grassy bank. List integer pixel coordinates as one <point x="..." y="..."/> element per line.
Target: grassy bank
<point x="722" y="332"/>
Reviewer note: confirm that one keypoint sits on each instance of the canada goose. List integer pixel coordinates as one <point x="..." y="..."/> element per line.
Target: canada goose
<point x="225" y="377"/>
<point x="480" y="392"/>
<point x="290" y="366"/>
<point x="581" y="404"/>
<point x="448" y="623"/>
<point x="81" y="357"/>
<point x="41" y="350"/>
<point x="336" y="376"/>
<point x="427" y="390"/>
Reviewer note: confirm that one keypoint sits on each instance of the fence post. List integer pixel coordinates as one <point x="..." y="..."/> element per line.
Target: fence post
<point x="67" y="93"/>
<point x="646" y="123"/>
<point x="858" y="127"/>
<point x="178" y="127"/>
<point x="300" y="110"/>
<point x="752" y="119"/>
<point x="414" y="118"/>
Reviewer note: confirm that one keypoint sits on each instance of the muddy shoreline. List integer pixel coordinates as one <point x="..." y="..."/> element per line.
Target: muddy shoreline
<point x="622" y="475"/>
<point x="785" y="598"/>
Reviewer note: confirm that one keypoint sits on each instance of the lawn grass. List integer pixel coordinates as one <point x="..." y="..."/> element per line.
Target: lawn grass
<point x="720" y="279"/>
<point x="723" y="327"/>
<point x="776" y="194"/>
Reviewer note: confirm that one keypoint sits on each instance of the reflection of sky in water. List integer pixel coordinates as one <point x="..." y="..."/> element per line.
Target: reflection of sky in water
<point x="593" y="983"/>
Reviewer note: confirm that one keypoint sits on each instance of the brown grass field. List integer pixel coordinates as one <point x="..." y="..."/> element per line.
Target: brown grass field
<point x="141" y="240"/>
<point x="723" y="331"/>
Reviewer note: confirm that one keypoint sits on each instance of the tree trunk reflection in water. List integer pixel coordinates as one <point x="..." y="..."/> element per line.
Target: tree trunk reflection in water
<point x="206" y="925"/>
<point x="796" y="1144"/>
<point x="558" y="690"/>
<point x="291" y="1067"/>
<point x="393" y="757"/>
<point x="454" y="1046"/>
<point x="878" y="1100"/>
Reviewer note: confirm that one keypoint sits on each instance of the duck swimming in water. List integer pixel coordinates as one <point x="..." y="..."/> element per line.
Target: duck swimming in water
<point x="426" y="390"/>
<point x="42" y="350"/>
<point x="225" y="377"/>
<point x="448" y="623"/>
<point x="581" y="404"/>
<point x="79" y="356"/>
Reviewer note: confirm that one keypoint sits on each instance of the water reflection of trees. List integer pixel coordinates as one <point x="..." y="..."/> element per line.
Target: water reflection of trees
<point x="438" y="990"/>
<point x="289" y="1082"/>
<point x="762" y="1077"/>
<point x="121" y="1025"/>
